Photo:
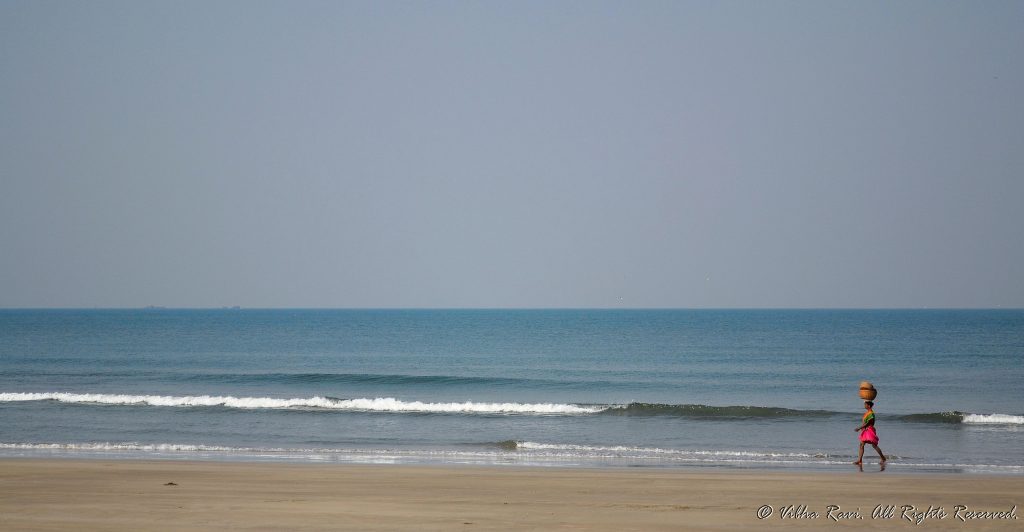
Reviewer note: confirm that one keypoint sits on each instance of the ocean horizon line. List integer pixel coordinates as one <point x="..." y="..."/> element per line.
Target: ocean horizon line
<point x="513" y="308"/>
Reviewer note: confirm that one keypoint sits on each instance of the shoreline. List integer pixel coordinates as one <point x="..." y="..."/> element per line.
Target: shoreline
<point x="344" y="457"/>
<point x="132" y="494"/>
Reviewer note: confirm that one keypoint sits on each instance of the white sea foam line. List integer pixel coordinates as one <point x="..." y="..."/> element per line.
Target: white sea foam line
<point x="177" y="447"/>
<point x="380" y="404"/>
<point x="189" y="448"/>
<point x="198" y="448"/>
<point x="453" y="454"/>
<point x="527" y="445"/>
<point x="1003" y="419"/>
<point x="168" y="447"/>
<point x="986" y="467"/>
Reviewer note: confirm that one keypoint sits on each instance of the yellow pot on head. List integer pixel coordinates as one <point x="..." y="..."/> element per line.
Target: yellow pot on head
<point x="867" y="391"/>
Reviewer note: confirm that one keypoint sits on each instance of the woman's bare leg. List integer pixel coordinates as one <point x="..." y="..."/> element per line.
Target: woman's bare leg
<point x="860" y="455"/>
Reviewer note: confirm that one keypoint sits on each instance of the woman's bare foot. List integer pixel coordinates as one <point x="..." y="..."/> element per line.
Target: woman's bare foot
<point x="858" y="462"/>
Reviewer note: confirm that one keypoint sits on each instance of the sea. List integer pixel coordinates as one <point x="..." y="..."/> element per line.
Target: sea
<point x="734" y="389"/>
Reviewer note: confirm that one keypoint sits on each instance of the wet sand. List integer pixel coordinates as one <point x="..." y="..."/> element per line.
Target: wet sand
<point x="58" y="494"/>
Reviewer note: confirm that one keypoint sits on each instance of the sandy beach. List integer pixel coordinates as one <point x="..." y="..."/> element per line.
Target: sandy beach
<point x="59" y="494"/>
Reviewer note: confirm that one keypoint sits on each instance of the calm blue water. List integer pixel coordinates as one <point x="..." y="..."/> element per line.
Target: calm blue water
<point x="731" y="388"/>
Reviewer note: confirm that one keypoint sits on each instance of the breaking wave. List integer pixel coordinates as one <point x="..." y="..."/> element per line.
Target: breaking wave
<point x="393" y="405"/>
<point x="963" y="417"/>
<point x="380" y="404"/>
<point x="1001" y="419"/>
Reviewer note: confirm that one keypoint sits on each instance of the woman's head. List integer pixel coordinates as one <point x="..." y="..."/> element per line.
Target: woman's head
<point x="868" y="404"/>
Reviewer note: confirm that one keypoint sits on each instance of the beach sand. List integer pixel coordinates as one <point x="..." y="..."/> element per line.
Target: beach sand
<point x="58" y="494"/>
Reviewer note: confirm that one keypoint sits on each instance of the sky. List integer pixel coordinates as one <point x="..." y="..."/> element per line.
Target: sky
<point x="511" y="154"/>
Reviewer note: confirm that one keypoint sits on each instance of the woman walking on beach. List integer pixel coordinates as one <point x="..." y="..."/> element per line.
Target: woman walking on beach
<point x="867" y="433"/>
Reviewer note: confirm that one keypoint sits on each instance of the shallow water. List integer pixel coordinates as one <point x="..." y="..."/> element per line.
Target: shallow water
<point x="731" y="388"/>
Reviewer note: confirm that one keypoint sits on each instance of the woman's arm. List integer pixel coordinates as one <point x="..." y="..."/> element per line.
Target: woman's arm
<point x="866" y="424"/>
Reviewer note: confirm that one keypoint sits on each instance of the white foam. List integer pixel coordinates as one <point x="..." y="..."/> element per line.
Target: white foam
<point x="528" y="445"/>
<point x="380" y="404"/>
<point x="540" y="454"/>
<point x="533" y="452"/>
<point x="158" y="447"/>
<point x="1003" y="419"/>
<point x="970" y="468"/>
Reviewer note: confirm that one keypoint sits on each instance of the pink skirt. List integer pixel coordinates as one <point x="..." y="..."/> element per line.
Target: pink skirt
<point x="868" y="435"/>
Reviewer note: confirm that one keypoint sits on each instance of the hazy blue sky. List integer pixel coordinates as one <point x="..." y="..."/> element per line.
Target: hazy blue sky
<point x="512" y="154"/>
